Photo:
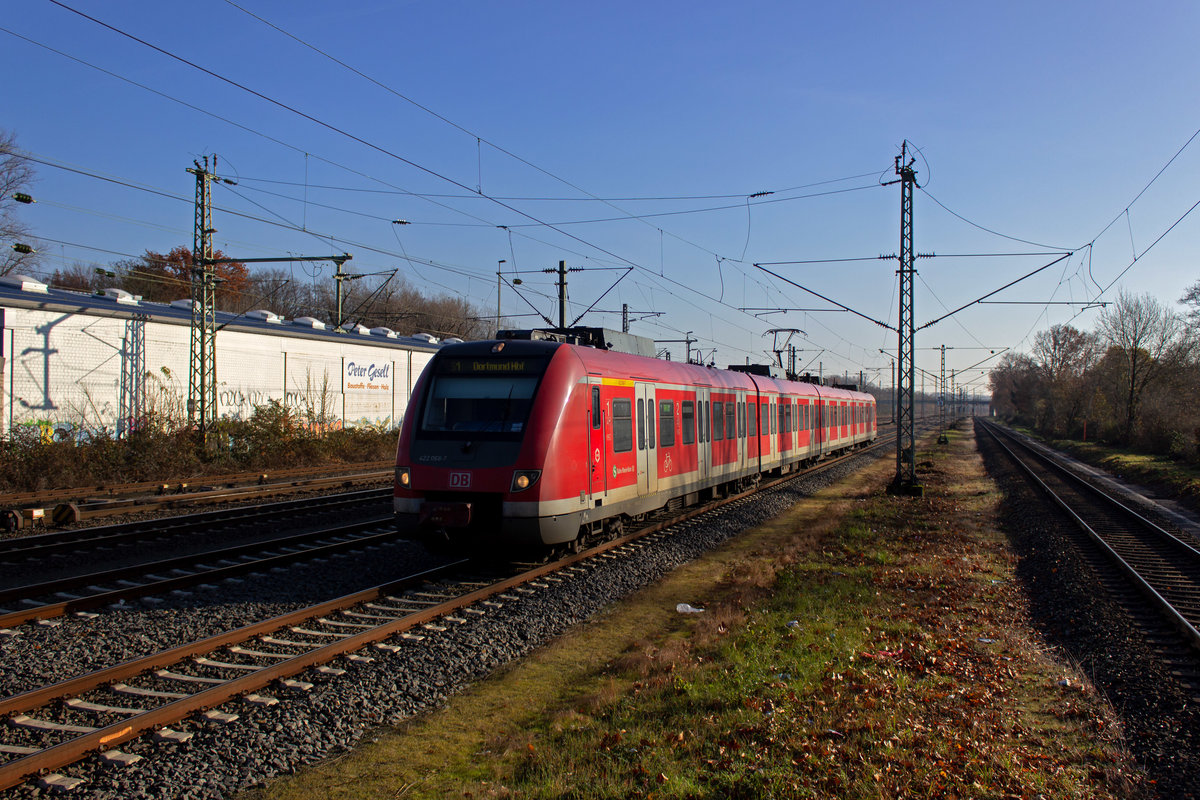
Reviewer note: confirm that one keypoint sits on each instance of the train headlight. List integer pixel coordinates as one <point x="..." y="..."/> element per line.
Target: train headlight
<point x="403" y="477"/>
<point x="524" y="478"/>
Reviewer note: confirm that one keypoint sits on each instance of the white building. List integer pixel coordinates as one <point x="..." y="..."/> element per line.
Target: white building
<point x="79" y="362"/>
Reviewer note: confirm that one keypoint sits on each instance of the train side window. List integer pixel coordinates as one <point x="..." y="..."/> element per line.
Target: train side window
<point x="650" y="423"/>
<point x="688" y="412"/>
<point x="595" y="408"/>
<point x="730" y="425"/>
<point x="718" y="429"/>
<point x="707" y="421"/>
<point x="779" y="428"/>
<point x="641" y="423"/>
<point x="741" y="423"/>
<point x="622" y="411"/>
<point x="752" y="419"/>
<point x="666" y="423"/>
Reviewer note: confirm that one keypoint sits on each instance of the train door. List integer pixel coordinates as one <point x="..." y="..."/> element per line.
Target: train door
<point x="647" y="419"/>
<point x="597" y="452"/>
<point x="818" y="431"/>
<point x="753" y="443"/>
<point x="743" y="438"/>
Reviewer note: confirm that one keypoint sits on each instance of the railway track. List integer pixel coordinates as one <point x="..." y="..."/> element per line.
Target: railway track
<point x="1161" y="568"/>
<point x="31" y="510"/>
<point x="53" y="726"/>
<point x="82" y="593"/>
<point x="38" y="547"/>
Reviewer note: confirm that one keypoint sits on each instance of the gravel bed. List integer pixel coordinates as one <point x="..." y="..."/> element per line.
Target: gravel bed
<point x="1160" y="716"/>
<point x="335" y="714"/>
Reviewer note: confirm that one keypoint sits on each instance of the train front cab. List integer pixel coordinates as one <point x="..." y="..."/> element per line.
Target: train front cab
<point x="472" y="454"/>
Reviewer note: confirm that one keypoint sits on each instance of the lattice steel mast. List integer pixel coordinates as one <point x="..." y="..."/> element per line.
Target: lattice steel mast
<point x="906" y="469"/>
<point x="202" y="368"/>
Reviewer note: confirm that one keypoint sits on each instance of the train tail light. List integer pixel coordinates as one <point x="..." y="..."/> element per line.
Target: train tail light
<point x="404" y="477"/>
<point x="524" y="478"/>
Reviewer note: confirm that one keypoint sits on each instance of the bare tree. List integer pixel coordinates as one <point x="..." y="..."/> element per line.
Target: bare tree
<point x="15" y="176"/>
<point x="374" y="301"/>
<point x="1014" y="384"/>
<point x="1150" y="341"/>
<point x="80" y="277"/>
<point x="277" y="289"/>
<point x="1064" y="355"/>
<point x="1192" y="298"/>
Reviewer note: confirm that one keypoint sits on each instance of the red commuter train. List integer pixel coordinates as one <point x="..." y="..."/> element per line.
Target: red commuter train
<point x="545" y="443"/>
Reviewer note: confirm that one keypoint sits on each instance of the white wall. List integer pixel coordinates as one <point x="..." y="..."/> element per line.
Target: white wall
<point x="66" y="371"/>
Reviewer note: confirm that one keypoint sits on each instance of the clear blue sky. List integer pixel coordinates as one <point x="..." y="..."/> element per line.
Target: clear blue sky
<point x="1040" y="121"/>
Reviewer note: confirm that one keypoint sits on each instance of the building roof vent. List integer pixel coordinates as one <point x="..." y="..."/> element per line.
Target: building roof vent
<point x="309" y="322"/>
<point x="121" y="296"/>
<point x="361" y="330"/>
<point x="185" y="303"/>
<point x="388" y="332"/>
<point x="265" y="315"/>
<point x="452" y="340"/>
<point x="24" y="283"/>
<point x="425" y="337"/>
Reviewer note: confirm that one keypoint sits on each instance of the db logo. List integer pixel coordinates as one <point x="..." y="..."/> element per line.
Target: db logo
<point x="460" y="480"/>
<point x="596" y="455"/>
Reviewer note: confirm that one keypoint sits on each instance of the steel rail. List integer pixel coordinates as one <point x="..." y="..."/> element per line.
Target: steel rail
<point x="52" y="497"/>
<point x="1145" y="586"/>
<point x="64" y="753"/>
<point x="65" y="514"/>
<point x="40" y="545"/>
<point x="200" y="575"/>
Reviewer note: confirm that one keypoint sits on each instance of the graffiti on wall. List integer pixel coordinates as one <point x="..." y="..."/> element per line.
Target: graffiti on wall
<point x="240" y="403"/>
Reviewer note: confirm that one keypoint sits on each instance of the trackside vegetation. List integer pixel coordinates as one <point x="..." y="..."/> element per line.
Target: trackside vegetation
<point x="860" y="646"/>
<point x="164" y="448"/>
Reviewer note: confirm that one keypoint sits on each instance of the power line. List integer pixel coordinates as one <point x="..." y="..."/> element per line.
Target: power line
<point x="822" y="261"/>
<point x="285" y="224"/>
<point x="371" y="145"/>
<point x="997" y="291"/>
<point x="652" y="215"/>
<point x="1137" y="258"/>
<point x="331" y="127"/>
<point x="826" y="299"/>
<point x="524" y="198"/>
<point x="977" y="225"/>
<point x="478" y="138"/>
<point x="629" y="216"/>
<point x="481" y="140"/>
<point x="1158" y="174"/>
<point x="335" y="129"/>
<point x="430" y="198"/>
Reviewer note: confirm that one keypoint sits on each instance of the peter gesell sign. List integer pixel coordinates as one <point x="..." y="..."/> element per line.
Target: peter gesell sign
<point x="368" y="377"/>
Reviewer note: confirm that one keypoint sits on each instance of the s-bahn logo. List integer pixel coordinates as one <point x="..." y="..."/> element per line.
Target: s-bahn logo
<point x="460" y="480"/>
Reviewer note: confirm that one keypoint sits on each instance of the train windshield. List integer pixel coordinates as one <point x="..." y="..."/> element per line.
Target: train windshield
<point x="488" y="396"/>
